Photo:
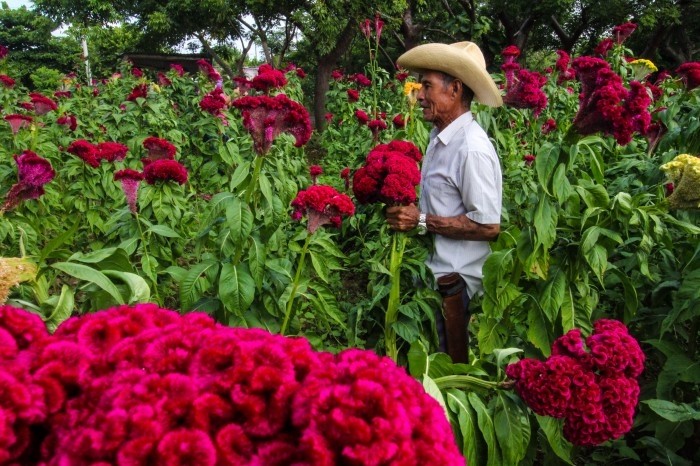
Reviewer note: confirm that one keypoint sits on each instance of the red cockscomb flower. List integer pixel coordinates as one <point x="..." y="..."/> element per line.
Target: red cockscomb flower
<point x="361" y="116"/>
<point x="323" y="205"/>
<point x="690" y="74"/>
<point x="527" y="92"/>
<point x="62" y="94"/>
<point x="398" y="121"/>
<point x="345" y="175"/>
<point x="214" y="102"/>
<point x="3" y="52"/>
<point x="140" y="91"/>
<point x="163" y="80"/>
<point x="401" y="77"/>
<point x="165" y="170"/>
<point x="376" y="126"/>
<point x="337" y="75"/>
<point x="603" y="47"/>
<point x="18" y="121"/>
<point x="266" y="117"/>
<point x="178" y="69"/>
<point x="361" y="79"/>
<point x="42" y="104"/>
<point x="158" y="149"/>
<point x="268" y="78"/>
<point x="562" y="65"/>
<point x="315" y="171"/>
<point x="549" y="126"/>
<point x="130" y="181"/>
<point x="33" y="172"/>
<point x="623" y="31"/>
<point x="86" y="151"/>
<point x="207" y="68"/>
<point x="69" y="121"/>
<point x="528" y="159"/>
<point x="353" y="95"/>
<point x="111" y="151"/>
<point x="136" y="72"/>
<point x="7" y="81"/>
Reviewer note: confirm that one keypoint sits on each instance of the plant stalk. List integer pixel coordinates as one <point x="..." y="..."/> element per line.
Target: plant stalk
<point x="398" y="245"/>
<point x="295" y="285"/>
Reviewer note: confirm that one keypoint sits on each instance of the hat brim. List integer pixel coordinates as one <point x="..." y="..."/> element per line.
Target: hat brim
<point x="455" y="62"/>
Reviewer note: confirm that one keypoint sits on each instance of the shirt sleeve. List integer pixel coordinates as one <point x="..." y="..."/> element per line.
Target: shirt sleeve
<point x="481" y="187"/>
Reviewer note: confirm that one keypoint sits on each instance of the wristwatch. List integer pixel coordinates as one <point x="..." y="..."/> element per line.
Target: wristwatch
<point x="422" y="225"/>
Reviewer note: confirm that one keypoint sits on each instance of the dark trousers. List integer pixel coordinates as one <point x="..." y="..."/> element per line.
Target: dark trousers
<point x="452" y="323"/>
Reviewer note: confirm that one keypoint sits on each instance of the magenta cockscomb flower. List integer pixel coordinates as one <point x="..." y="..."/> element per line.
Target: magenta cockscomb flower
<point x="136" y="72"/>
<point x="111" y="151"/>
<point x="67" y="120"/>
<point x="130" y="181"/>
<point x="362" y="117"/>
<point x="158" y="149"/>
<point x="33" y="172"/>
<point x="353" y="95"/>
<point x="398" y="121"/>
<point x="62" y="94"/>
<point x="376" y="125"/>
<point x="178" y="69"/>
<point x="606" y="105"/>
<point x="214" y="102"/>
<point x="315" y="171"/>
<point x="266" y="117"/>
<point x="323" y="205"/>
<point x="593" y="386"/>
<point x="3" y="52"/>
<point x="337" y="75"/>
<point x="139" y="91"/>
<point x="42" y="104"/>
<point x="86" y="151"/>
<point x="163" y="80"/>
<point x="622" y="31"/>
<point x="390" y="174"/>
<point x="360" y="79"/>
<point x="208" y="69"/>
<point x="603" y="47"/>
<point x="7" y="81"/>
<point x="345" y="176"/>
<point x="526" y="91"/>
<point x="566" y="73"/>
<point x="165" y="170"/>
<point x="529" y="159"/>
<point x="690" y="74"/>
<point x="268" y="78"/>
<point x="18" y="121"/>
<point x="549" y="126"/>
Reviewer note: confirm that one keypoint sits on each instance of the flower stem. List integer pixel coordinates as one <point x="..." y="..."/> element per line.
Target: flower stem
<point x="398" y="245"/>
<point x="468" y="381"/>
<point x="257" y="165"/>
<point x="295" y="285"/>
<point x="145" y="253"/>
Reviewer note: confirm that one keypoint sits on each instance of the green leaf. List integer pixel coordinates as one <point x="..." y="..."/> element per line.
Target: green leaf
<point x="57" y="241"/>
<point x="236" y="288"/>
<point x="466" y="419"/>
<point x="487" y="429"/>
<point x="561" y="185"/>
<point x="552" y="429"/>
<point x="320" y="266"/>
<point x="672" y="411"/>
<point x="149" y="266"/>
<point x="89" y="274"/>
<point x="597" y="166"/>
<point x="63" y="308"/>
<point x="188" y="288"/>
<point x="545" y="221"/>
<point x="502" y="353"/>
<point x="546" y="159"/>
<point x="140" y="292"/>
<point x="492" y="334"/>
<point x="597" y="259"/>
<point x="512" y="426"/>
<point x="432" y="389"/>
<point x="539" y="330"/>
<point x="417" y="359"/>
<point x="256" y="260"/>
<point x="239" y="175"/>
<point x="266" y="188"/>
<point x="239" y="219"/>
<point x="568" y="310"/>
<point x="630" y="293"/>
<point x="162" y="230"/>
<point x="552" y="296"/>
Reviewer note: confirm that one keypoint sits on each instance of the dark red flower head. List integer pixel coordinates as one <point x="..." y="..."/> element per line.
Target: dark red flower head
<point x="111" y="151"/>
<point x="353" y="95"/>
<point x="268" y="78"/>
<point x="130" y="180"/>
<point x="603" y="47"/>
<point x="361" y="116"/>
<point x="3" y="52"/>
<point x="527" y="92"/>
<point x="86" y="151"/>
<point x="140" y="91"/>
<point x="177" y="69"/>
<point x="18" y="121"/>
<point x="510" y="54"/>
<point x="323" y="205"/>
<point x="7" y="81"/>
<point x="33" y="172"/>
<point x="207" y="68"/>
<point x="623" y="31"/>
<point x="165" y="170"/>
<point x="42" y="104"/>
<point x="69" y="121"/>
<point x="690" y="74"/>
<point x="158" y="148"/>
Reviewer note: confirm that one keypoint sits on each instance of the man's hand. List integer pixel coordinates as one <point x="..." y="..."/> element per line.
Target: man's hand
<point x="402" y="218"/>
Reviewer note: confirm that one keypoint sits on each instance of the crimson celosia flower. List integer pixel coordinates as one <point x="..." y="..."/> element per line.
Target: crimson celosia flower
<point x="62" y="94"/>
<point x="85" y="150"/>
<point x="603" y="47"/>
<point x="337" y="75"/>
<point x="361" y="116"/>
<point x="165" y="170"/>
<point x="398" y="121"/>
<point x="300" y="73"/>
<point x="606" y="106"/>
<point x="18" y="121"/>
<point x="366" y="28"/>
<point x="390" y="175"/>
<point x="163" y="80"/>
<point x="141" y="90"/>
<point x="510" y="54"/>
<point x="178" y="69"/>
<point x="549" y="126"/>
<point x="144" y="385"/>
<point x="214" y="102"/>
<point x="3" y="52"/>
<point x="268" y="78"/>
<point x="526" y="92"/>
<point x="69" y="121"/>
<point x="353" y="95"/>
<point x="528" y="159"/>
<point x="111" y="151"/>
<point x="378" y="26"/>
<point x="592" y="386"/>
<point x="328" y="117"/>
<point x="562" y="65"/>
<point x="33" y="172"/>
<point x="345" y="175"/>
<point x="361" y="80"/>
<point x="323" y="205"/>
<point x="376" y="125"/>
<point x="690" y="74"/>
<point x="315" y="171"/>
<point x="207" y="68"/>
<point x="157" y="149"/>
<point x="42" y="104"/>
<point x="136" y="72"/>
<point x="7" y="81"/>
<point x="623" y="31"/>
<point x="130" y="181"/>
<point x="266" y="117"/>
<point x="401" y="77"/>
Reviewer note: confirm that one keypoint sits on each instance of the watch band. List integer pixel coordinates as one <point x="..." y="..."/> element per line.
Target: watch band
<point x="422" y="224"/>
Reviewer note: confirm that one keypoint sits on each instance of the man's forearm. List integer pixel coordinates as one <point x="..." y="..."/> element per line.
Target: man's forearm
<point x="462" y="227"/>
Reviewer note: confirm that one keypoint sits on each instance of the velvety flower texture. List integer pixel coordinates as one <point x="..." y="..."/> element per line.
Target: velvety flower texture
<point x="139" y="91"/>
<point x="33" y="172"/>
<point x="376" y="125"/>
<point x="130" y="181"/>
<point x="360" y="79"/>
<point x="549" y="126"/>
<point x="7" y="81"/>
<point x="323" y="205"/>
<point x="266" y="117"/>
<point x="144" y="386"/>
<point x="214" y="102"/>
<point x="165" y="170"/>
<point x="42" y="104"/>
<point x="390" y="174"/>
<point x="207" y="68"/>
<point x="690" y="74"/>
<point x="398" y="121"/>
<point x="69" y="121"/>
<point x="111" y="151"/>
<point x="622" y="31"/>
<point x="86" y="151"/>
<point x="268" y="78"/>
<point x="18" y="121"/>
<point x="562" y="65"/>
<point x="525" y="91"/>
<point x="593" y="386"/>
<point x="683" y="173"/>
<point x="353" y="95"/>
<point x="606" y="106"/>
<point x="603" y="47"/>
<point x="157" y="149"/>
<point x="178" y="69"/>
<point x="315" y="171"/>
<point x="362" y="117"/>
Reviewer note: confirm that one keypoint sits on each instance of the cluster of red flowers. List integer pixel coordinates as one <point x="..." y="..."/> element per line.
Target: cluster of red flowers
<point x="208" y="69"/>
<point x="390" y="174"/>
<point x="690" y="74"/>
<point x="214" y="102"/>
<point x="268" y="78"/>
<point x="18" y="121"/>
<point x="566" y="73"/>
<point x="33" y="172"/>
<point x="157" y="149"/>
<point x="165" y="170"/>
<point x="323" y="205"/>
<point x="144" y="385"/>
<point x="353" y="95"/>
<point x="130" y="180"/>
<point x="140" y="90"/>
<point x="606" y="106"/>
<point x="42" y="104"/>
<point x="266" y="117"/>
<point x="94" y="154"/>
<point x="315" y="171"/>
<point x="523" y="87"/>
<point x="595" y="391"/>
<point x="7" y="81"/>
<point x="360" y="79"/>
<point x="69" y="121"/>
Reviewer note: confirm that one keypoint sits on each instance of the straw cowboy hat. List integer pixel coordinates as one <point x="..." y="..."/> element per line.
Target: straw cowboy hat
<point x="462" y="60"/>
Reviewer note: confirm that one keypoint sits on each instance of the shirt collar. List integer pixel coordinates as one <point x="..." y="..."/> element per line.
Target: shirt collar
<point x="446" y="134"/>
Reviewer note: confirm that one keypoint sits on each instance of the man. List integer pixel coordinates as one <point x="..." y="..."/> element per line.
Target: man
<point x="461" y="185"/>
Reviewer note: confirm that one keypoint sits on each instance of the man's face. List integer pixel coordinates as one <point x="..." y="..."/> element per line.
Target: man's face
<point x="436" y="99"/>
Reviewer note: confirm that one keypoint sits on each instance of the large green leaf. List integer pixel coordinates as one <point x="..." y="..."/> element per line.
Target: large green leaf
<point x="239" y="219"/>
<point x="163" y="230"/>
<point x="545" y="222"/>
<point x="545" y="163"/>
<point x="62" y="309"/>
<point x="672" y="411"/>
<point x="539" y="329"/>
<point x="188" y="287"/>
<point x="257" y="255"/>
<point x="487" y="429"/>
<point x="236" y="288"/>
<point x="492" y="334"/>
<point x="466" y="420"/>
<point x="552" y="296"/>
<point x="89" y="274"/>
<point x="512" y="426"/>
<point x="552" y="429"/>
<point x="140" y="291"/>
<point x="58" y="241"/>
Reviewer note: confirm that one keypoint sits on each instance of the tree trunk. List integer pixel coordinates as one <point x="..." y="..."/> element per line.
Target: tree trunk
<point x="410" y="30"/>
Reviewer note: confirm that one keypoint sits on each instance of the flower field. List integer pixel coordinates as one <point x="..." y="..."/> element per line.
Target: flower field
<point x="202" y="195"/>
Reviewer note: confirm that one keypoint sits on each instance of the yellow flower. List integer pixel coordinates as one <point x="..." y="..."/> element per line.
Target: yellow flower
<point x="643" y="62"/>
<point x="641" y="68"/>
<point x="14" y="270"/>
<point x="410" y="90"/>
<point x="684" y="172"/>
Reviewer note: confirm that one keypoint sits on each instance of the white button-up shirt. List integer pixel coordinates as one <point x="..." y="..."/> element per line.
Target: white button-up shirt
<point x="461" y="175"/>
